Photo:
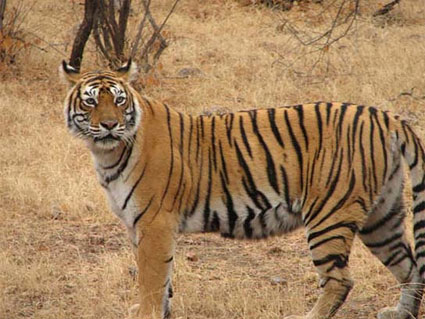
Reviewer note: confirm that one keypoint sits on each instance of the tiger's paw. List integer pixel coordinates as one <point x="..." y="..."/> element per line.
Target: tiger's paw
<point x="393" y="313"/>
<point x="132" y="311"/>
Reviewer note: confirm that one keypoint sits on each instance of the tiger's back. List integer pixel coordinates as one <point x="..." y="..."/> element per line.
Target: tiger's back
<point x="336" y="169"/>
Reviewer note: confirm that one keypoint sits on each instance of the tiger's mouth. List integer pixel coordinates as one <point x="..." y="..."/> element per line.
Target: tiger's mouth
<point x="107" y="138"/>
<point x="107" y="142"/>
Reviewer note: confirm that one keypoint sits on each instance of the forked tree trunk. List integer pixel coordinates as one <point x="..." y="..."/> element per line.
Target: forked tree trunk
<point x="83" y="33"/>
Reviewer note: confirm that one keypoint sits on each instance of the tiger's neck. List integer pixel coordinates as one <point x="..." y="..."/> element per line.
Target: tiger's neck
<point x="108" y="158"/>
<point x="111" y="164"/>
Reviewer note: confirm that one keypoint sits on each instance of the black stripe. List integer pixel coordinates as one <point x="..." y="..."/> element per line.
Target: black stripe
<point x="297" y="148"/>
<point x="223" y="162"/>
<point x="343" y="109"/>
<point x="350" y="152"/>
<point x="399" y="260"/>
<point x="385" y="242"/>
<point x="300" y="112"/>
<point x="419" y="225"/>
<point x="372" y="153"/>
<point x="420" y="187"/>
<point x="335" y="117"/>
<point x="393" y="256"/>
<point x="263" y="224"/>
<point x="229" y="127"/>
<point x="271" y="170"/>
<point x="359" y="112"/>
<point x="251" y="188"/>
<point x="323" y="241"/>
<point x="198" y="144"/>
<point x="329" y="194"/>
<point x="339" y="261"/>
<point x="231" y="214"/>
<point x="207" y="209"/>
<point x="328" y="112"/>
<point x="124" y="206"/>
<point x="170" y="172"/>
<point x="311" y="235"/>
<point x="247" y="223"/>
<point x="319" y="124"/>
<point x="272" y="120"/>
<point x="143" y="211"/>
<point x="340" y="203"/>
<point x="395" y="211"/>
<point x="198" y="187"/>
<point x="121" y="168"/>
<point x="215" y="223"/>
<point x="181" y="198"/>
<point x="419" y="244"/>
<point x="286" y="188"/>
<point x="181" y="133"/>
<point x="243" y="134"/>
<point x="373" y="112"/>
<point x="313" y="168"/>
<point x="117" y="162"/>
<point x="363" y="157"/>
<point x="189" y="148"/>
<point x="149" y="104"/>
<point x="419" y="207"/>
<point x="181" y="150"/>
<point x="213" y="143"/>
<point x="415" y="143"/>
<point x="201" y="120"/>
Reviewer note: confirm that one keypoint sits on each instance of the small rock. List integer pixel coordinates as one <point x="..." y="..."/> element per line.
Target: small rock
<point x="133" y="272"/>
<point x="189" y="72"/>
<point x="278" y="281"/>
<point x="275" y="251"/>
<point x="192" y="256"/>
<point x="56" y="213"/>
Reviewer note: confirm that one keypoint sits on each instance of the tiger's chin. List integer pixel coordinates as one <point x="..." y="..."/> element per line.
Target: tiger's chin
<point x="105" y="144"/>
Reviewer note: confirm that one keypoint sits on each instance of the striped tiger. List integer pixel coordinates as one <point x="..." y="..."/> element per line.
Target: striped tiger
<point x="334" y="168"/>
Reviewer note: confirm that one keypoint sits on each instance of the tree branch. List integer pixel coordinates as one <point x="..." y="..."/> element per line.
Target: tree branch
<point x="83" y="33"/>
<point x="2" y="10"/>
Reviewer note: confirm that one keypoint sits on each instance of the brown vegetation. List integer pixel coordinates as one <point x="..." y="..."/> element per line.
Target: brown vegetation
<point x="64" y="255"/>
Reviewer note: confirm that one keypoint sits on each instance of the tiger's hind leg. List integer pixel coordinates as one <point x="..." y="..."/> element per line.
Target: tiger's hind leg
<point x="330" y="238"/>
<point x="383" y="233"/>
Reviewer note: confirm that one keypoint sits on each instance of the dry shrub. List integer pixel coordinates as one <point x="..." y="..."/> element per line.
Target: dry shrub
<point x="14" y="40"/>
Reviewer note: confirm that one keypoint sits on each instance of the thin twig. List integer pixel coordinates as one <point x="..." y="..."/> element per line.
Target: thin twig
<point x="387" y="8"/>
<point x="157" y="33"/>
<point x="139" y="32"/>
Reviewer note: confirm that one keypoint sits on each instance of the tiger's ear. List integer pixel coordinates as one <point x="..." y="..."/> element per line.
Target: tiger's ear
<point x="129" y="71"/>
<point x="69" y="74"/>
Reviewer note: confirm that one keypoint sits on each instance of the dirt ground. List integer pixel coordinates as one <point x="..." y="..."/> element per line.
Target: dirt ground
<point x="64" y="255"/>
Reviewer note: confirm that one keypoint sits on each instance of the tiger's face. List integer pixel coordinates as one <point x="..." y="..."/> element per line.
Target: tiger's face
<point x="101" y="107"/>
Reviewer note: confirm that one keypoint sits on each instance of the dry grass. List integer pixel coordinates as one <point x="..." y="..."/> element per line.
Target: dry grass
<point x="63" y="255"/>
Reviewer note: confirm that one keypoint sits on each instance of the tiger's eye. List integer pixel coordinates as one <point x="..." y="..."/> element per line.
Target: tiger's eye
<point x="90" y="101"/>
<point x="120" y="100"/>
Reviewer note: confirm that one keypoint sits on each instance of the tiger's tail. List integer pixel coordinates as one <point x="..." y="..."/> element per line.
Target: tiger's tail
<point x="413" y="151"/>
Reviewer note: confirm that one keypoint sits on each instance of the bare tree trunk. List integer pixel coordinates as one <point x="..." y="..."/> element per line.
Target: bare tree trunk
<point x="122" y="26"/>
<point x="2" y="10"/>
<point x="83" y="33"/>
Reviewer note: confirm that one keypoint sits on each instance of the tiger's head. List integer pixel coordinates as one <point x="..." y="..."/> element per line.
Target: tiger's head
<point x="101" y="107"/>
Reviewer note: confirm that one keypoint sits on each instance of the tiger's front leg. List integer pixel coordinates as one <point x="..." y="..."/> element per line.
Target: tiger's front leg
<point x="154" y="256"/>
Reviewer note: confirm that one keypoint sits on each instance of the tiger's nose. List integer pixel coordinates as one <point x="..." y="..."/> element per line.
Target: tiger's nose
<point x="109" y="125"/>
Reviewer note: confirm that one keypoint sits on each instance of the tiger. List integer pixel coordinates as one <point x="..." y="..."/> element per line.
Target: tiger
<point x="336" y="169"/>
